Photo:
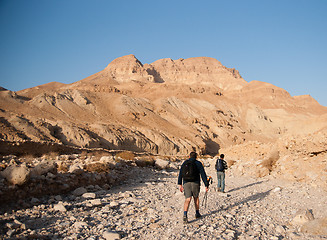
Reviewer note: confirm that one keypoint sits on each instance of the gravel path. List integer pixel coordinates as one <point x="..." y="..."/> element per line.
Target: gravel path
<point x="149" y="206"/>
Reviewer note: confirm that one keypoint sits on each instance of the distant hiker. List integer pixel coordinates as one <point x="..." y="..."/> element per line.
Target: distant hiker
<point x="221" y="166"/>
<point x="189" y="174"/>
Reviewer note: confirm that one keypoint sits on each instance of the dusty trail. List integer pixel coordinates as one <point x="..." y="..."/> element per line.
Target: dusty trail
<point x="149" y="206"/>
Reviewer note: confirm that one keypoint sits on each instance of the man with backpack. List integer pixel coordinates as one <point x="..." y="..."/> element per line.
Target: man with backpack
<point x="189" y="174"/>
<point x="221" y="166"/>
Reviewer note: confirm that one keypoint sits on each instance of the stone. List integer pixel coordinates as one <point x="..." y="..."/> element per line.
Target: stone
<point x="76" y="169"/>
<point x="43" y="168"/>
<point x="113" y="204"/>
<point x="79" y="191"/>
<point x="89" y="195"/>
<point x="173" y="166"/>
<point x="302" y="216"/>
<point x="58" y="198"/>
<point x="109" y="235"/>
<point x="16" y="175"/>
<point x="277" y="189"/>
<point x="280" y="229"/>
<point x="95" y="202"/>
<point x="59" y="207"/>
<point x="161" y="164"/>
<point x="35" y="201"/>
<point x="78" y="225"/>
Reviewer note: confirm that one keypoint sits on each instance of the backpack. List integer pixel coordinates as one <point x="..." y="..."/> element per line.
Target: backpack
<point x="220" y="165"/>
<point x="189" y="171"/>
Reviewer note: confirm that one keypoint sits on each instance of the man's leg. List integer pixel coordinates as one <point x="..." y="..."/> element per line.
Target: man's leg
<point x="197" y="203"/>
<point x="223" y="182"/>
<point x="188" y="198"/>
<point x="187" y="203"/>
<point x="219" y="182"/>
<point x="197" y="207"/>
<point x="186" y="206"/>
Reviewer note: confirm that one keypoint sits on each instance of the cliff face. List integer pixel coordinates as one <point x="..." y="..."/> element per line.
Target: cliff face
<point x="166" y="107"/>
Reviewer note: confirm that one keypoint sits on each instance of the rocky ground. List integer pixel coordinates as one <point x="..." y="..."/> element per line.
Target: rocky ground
<point x="149" y="206"/>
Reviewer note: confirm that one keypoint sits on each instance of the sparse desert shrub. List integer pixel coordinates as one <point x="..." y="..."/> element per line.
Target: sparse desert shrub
<point x="126" y="155"/>
<point x="145" y="161"/>
<point x="230" y="162"/>
<point x="271" y="161"/>
<point x="28" y="158"/>
<point x="97" y="167"/>
<point x="51" y="155"/>
<point x="62" y="167"/>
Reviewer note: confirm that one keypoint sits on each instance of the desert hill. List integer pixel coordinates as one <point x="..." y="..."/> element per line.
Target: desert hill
<point x="166" y="107"/>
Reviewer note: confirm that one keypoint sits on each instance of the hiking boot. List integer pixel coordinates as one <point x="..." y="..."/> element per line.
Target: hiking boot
<point x="185" y="219"/>
<point x="198" y="215"/>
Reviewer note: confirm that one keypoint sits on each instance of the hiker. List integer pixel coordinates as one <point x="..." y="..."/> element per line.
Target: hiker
<point x="189" y="173"/>
<point x="221" y="166"/>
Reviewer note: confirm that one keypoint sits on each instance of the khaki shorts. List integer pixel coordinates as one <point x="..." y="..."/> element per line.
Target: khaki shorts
<point x="191" y="189"/>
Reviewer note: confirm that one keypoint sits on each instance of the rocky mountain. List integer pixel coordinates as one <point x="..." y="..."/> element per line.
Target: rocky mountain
<point x="166" y="108"/>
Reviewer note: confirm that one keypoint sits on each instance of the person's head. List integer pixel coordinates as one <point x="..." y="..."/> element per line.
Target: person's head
<point x="193" y="155"/>
<point x="222" y="156"/>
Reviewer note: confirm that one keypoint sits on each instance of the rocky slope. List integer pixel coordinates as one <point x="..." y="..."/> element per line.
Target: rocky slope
<point x="148" y="205"/>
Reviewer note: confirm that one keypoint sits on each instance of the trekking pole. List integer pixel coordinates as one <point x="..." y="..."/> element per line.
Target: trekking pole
<point x="205" y="199"/>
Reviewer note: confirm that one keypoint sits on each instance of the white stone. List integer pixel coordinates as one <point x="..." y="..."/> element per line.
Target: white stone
<point x="277" y="189"/>
<point x="161" y="164"/>
<point x="109" y="235"/>
<point x="280" y="229"/>
<point x="114" y="204"/>
<point x="76" y="168"/>
<point x="59" y="207"/>
<point x="79" y="225"/>
<point x="89" y="195"/>
<point x="96" y="202"/>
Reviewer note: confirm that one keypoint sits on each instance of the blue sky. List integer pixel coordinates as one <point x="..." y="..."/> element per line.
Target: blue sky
<point x="283" y="42"/>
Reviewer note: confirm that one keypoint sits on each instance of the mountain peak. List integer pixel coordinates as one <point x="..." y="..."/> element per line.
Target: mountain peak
<point x="124" y="61"/>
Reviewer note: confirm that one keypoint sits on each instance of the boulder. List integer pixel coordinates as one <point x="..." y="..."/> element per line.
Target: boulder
<point x="161" y="164"/>
<point x="16" y="175"/>
<point x="79" y="191"/>
<point x="173" y="166"/>
<point x="302" y="216"/>
<point x="44" y="167"/>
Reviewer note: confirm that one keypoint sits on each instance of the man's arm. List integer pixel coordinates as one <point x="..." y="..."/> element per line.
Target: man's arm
<point x="180" y="176"/>
<point x="225" y="164"/>
<point x="203" y="175"/>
